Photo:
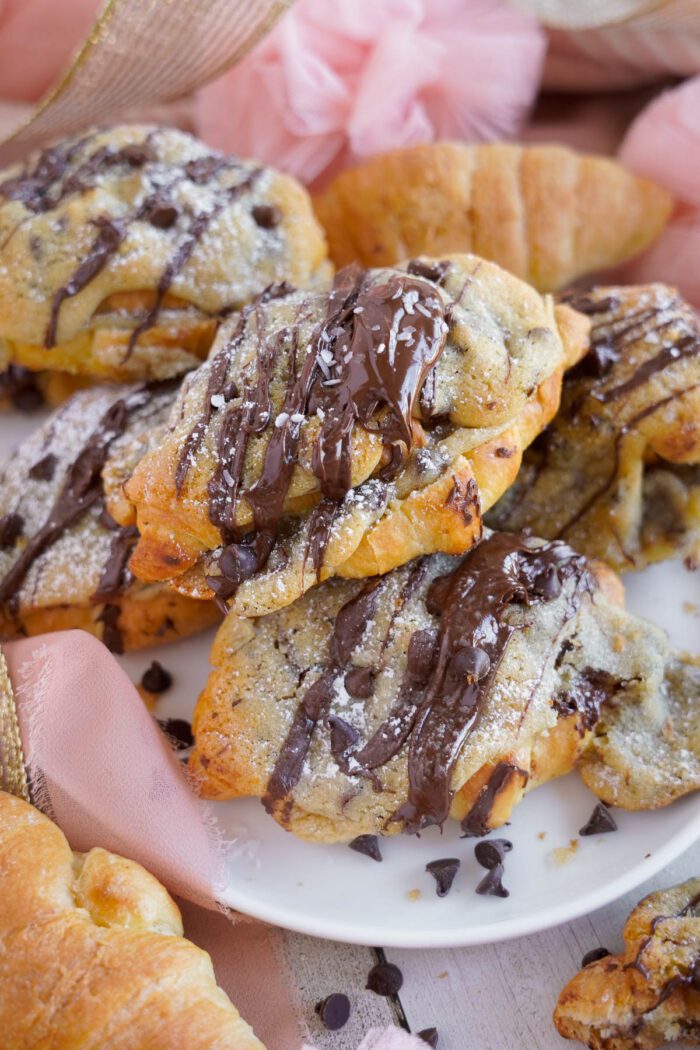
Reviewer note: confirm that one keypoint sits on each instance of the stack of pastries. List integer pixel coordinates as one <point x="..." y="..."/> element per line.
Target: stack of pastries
<point x="404" y="488"/>
<point x="404" y="485"/>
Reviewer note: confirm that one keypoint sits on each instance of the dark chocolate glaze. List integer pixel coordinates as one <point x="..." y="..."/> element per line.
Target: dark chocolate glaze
<point x="476" y="823"/>
<point x="115" y="576"/>
<point x="111" y="630"/>
<point x="81" y="490"/>
<point x="370" y="356"/>
<point x="449" y="672"/>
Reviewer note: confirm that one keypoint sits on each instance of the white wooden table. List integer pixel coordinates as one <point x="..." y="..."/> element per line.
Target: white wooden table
<point x="497" y="997"/>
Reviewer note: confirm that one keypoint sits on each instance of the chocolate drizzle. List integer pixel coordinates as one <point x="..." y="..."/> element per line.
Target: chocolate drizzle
<point x="449" y="673"/>
<point x="476" y="823"/>
<point x="81" y="490"/>
<point x="366" y="365"/>
<point x="586" y="695"/>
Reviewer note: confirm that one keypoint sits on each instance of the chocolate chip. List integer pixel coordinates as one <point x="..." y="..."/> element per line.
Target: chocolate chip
<point x="429" y="1036"/>
<point x="359" y="682"/>
<point x="156" y="679"/>
<point x="162" y="216"/>
<point x="600" y="822"/>
<point x="443" y="871"/>
<point x="492" y="852"/>
<point x="470" y="662"/>
<point x="385" y="979"/>
<point x="491" y="885"/>
<point x="367" y="844"/>
<point x="11" y="526"/>
<point x="179" y="730"/>
<point x="203" y="168"/>
<point x="343" y="735"/>
<point x="593" y="955"/>
<point x="432" y="271"/>
<point x="136" y="154"/>
<point x="333" y="1011"/>
<point x="44" y="469"/>
<point x="230" y="391"/>
<point x="267" y="216"/>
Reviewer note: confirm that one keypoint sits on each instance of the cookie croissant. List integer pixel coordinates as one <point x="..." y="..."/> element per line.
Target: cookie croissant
<point x="546" y="213"/>
<point x="93" y="955"/>
<point x="345" y="433"/>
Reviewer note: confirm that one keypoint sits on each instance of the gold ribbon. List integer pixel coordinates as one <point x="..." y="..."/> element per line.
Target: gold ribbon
<point x="680" y="15"/>
<point x="13" y="775"/>
<point x="141" y="52"/>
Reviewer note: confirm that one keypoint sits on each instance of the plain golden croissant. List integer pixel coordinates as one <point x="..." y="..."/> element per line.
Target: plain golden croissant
<point x="92" y="953"/>
<point x="546" y="213"/>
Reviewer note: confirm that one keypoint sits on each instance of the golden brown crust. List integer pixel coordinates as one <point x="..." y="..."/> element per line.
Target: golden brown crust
<point x="93" y="953"/>
<point x="497" y="385"/>
<point x="546" y="213"/>
<point x="617" y="474"/>
<point x="648" y="995"/>
<point x="122" y="248"/>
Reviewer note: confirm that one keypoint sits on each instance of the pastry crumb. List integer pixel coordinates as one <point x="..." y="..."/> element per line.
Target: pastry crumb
<point x="563" y="854"/>
<point x="542" y="835"/>
<point x="691" y="608"/>
<point x="414" y="895"/>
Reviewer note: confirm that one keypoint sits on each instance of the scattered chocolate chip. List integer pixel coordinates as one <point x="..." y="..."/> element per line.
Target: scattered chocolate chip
<point x="267" y="216"/>
<point x="156" y="679"/>
<point x="179" y="730"/>
<point x="600" y="822"/>
<point x="593" y="955"/>
<point x="367" y="844"/>
<point x="491" y="885"/>
<point x="162" y="215"/>
<point x="333" y="1011"/>
<point x="44" y="469"/>
<point x="443" y="871"/>
<point x="429" y="1036"/>
<point x="492" y="852"/>
<point x="11" y="526"/>
<point x="385" y="979"/>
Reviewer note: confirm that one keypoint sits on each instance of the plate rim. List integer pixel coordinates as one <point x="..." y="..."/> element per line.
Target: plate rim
<point x="479" y="933"/>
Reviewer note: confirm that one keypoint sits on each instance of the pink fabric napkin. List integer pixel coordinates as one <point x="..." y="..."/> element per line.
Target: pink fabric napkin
<point x="103" y="770"/>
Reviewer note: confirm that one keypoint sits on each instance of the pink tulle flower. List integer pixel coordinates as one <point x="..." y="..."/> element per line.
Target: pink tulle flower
<point x="664" y="144"/>
<point x="338" y="80"/>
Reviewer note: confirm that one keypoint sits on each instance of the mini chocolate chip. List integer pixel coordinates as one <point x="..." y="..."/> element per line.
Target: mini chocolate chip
<point x="367" y="844"/>
<point x="429" y="1036"/>
<point x="443" y="871"/>
<point x="333" y="1011"/>
<point x="267" y="216"/>
<point x="162" y="216"/>
<point x="11" y="526"/>
<point x="491" y="885"/>
<point x="156" y="679"/>
<point x="44" y="469"/>
<point x="491" y="852"/>
<point x="600" y="822"/>
<point x="359" y="682"/>
<point x="230" y="391"/>
<point x="385" y="979"/>
<point x="179" y="730"/>
<point x="593" y="955"/>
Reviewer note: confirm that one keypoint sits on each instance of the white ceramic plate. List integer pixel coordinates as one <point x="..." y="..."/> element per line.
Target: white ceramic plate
<point x="329" y="891"/>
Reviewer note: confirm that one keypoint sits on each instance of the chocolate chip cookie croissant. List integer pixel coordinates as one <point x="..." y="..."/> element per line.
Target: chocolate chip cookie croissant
<point x="448" y="687"/>
<point x="346" y="433"/>
<point x="63" y="557"/>
<point x="617" y="473"/>
<point x="93" y="953"/>
<point x="121" y="248"/>
<point x="649" y="994"/>
<point x="546" y="213"/>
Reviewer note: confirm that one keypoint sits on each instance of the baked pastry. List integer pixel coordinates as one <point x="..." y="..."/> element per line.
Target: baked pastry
<point x="447" y="688"/>
<point x="346" y="433"/>
<point x="617" y="474"/>
<point x="546" y="213"/>
<point x="93" y="953"/>
<point x="121" y="248"/>
<point x="63" y="558"/>
<point x="649" y="995"/>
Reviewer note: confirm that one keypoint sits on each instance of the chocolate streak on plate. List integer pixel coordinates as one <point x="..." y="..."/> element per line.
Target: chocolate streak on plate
<point x="81" y="489"/>
<point x="372" y="353"/>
